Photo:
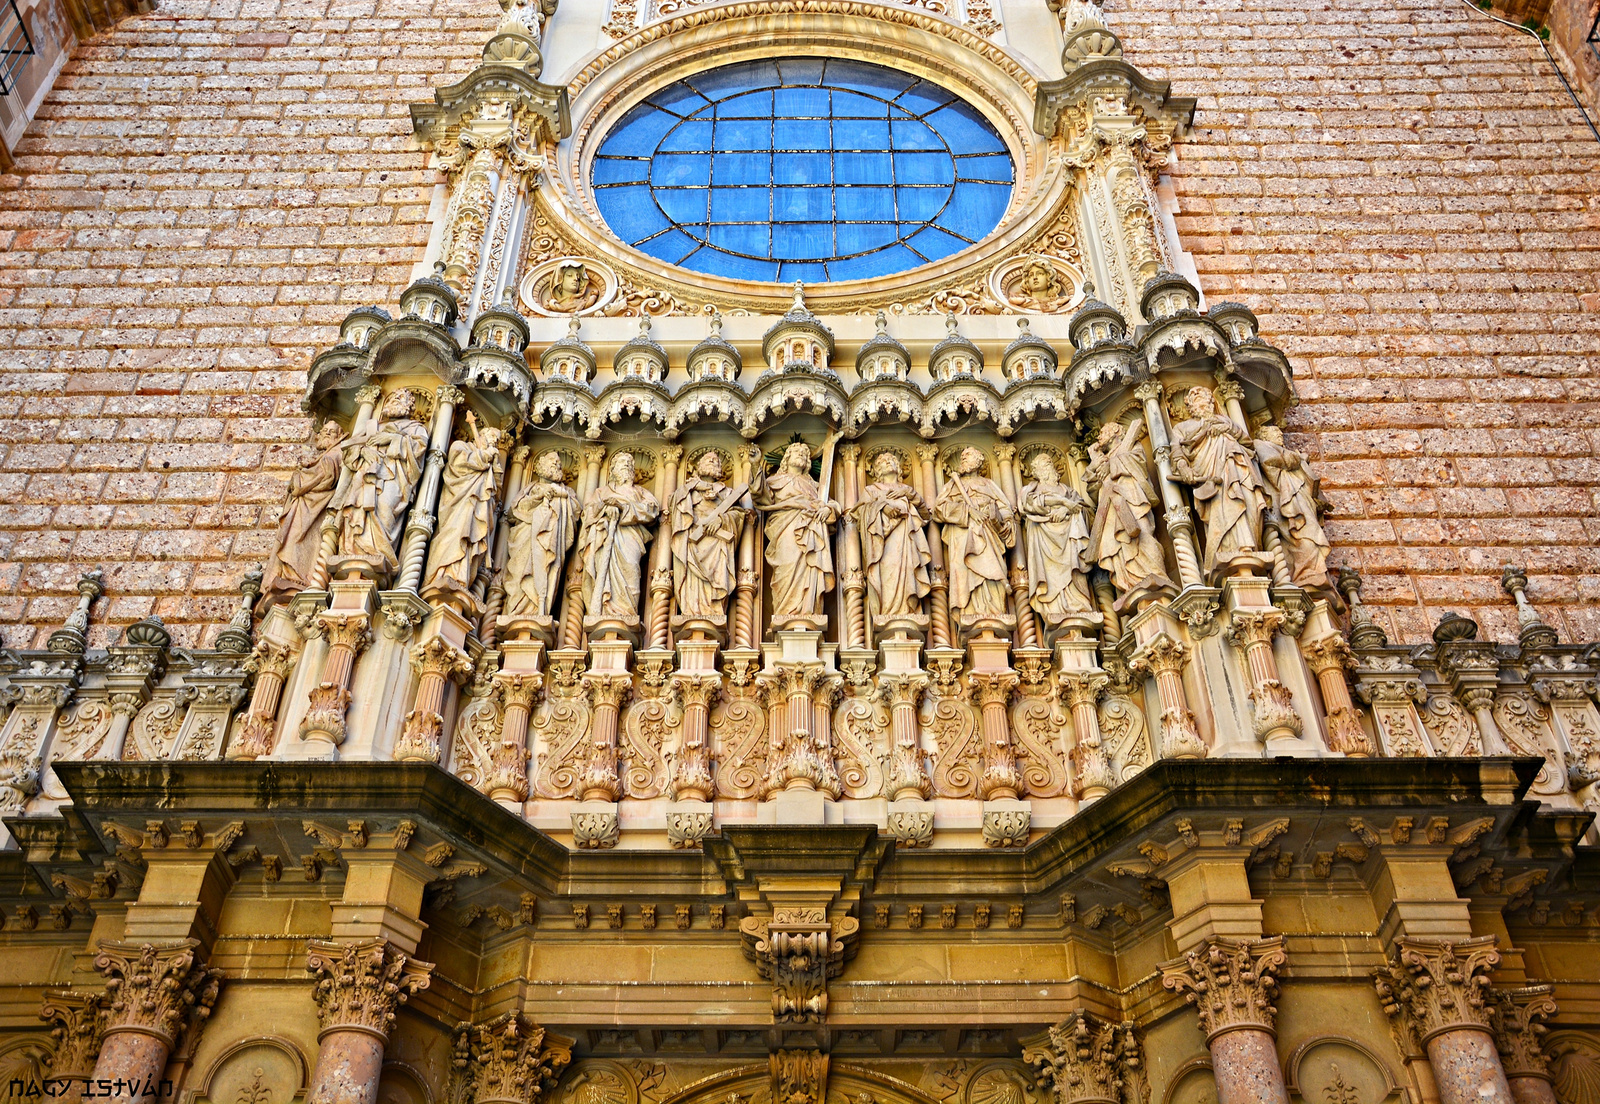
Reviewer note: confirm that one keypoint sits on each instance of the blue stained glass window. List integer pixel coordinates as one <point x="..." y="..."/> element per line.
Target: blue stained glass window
<point x="802" y="168"/>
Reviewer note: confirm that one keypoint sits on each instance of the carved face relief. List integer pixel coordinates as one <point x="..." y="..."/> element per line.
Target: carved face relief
<point x="329" y="435"/>
<point x="572" y="287"/>
<point x="1108" y="436"/>
<point x="797" y="457"/>
<point x="886" y="468"/>
<point x="399" y="404"/>
<point x="1271" y="434"/>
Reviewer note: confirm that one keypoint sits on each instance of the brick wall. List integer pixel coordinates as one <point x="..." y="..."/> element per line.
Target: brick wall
<point x="1406" y="196"/>
<point x="1402" y="192"/>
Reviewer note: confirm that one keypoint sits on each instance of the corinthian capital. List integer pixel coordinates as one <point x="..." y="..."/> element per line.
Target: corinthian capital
<point x="1253" y="626"/>
<point x="154" y="990"/>
<point x="1232" y="983"/>
<point x="361" y="985"/>
<point x="1517" y="1016"/>
<point x="78" y="1024"/>
<point x="1085" y="1058"/>
<point x="510" y="1059"/>
<point x="612" y="690"/>
<point x="348" y="630"/>
<point x="1438" y="985"/>
<point x="1160" y="654"/>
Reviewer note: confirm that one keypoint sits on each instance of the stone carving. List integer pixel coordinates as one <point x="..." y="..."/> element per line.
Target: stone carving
<point x="543" y="522"/>
<point x="466" y="512"/>
<point x="1085" y="1059"/>
<point x="1232" y="983"/>
<point x="1006" y="827"/>
<point x="892" y="519"/>
<point x="705" y="524"/>
<point x="157" y="991"/>
<point x="1212" y="456"/>
<point x="1438" y="985"/>
<point x="1035" y="284"/>
<point x="509" y="1060"/>
<point x="1057" y="540"/>
<point x="977" y="527"/>
<point x="1296" y="500"/>
<point x="688" y="829"/>
<point x="1575" y="1065"/>
<point x="616" y="530"/>
<point x="294" y="559"/>
<point x="595" y="831"/>
<point x="78" y="1026"/>
<point x="569" y="288"/>
<point x="359" y="986"/>
<point x="911" y="828"/>
<point x="799" y="949"/>
<point x="1123" y="540"/>
<point x="384" y="459"/>
<point x="799" y="1076"/>
<point x="798" y="515"/>
<point x="1517" y="1016"/>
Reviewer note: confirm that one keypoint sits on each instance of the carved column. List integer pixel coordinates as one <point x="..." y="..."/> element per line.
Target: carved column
<point x="366" y="401"/>
<point x="421" y="522"/>
<point x="855" y="580"/>
<point x="1164" y="657"/>
<point x="154" y="994"/>
<point x="1272" y="709"/>
<point x="825" y="695"/>
<point x="131" y="675"/>
<point x="1517" y="1016"/>
<point x="510" y="1060"/>
<point x="1180" y="521"/>
<point x="347" y="634"/>
<point x="1086" y="1060"/>
<point x="908" y="773"/>
<point x="1328" y="659"/>
<point x="939" y="600"/>
<point x="659" y="578"/>
<point x="437" y="661"/>
<point x="359" y="987"/>
<point x="494" y="604"/>
<point x="691" y="766"/>
<point x="795" y="764"/>
<point x="1233" y="985"/>
<point x="1437" y="988"/>
<point x="508" y="779"/>
<point x="991" y="691"/>
<point x="1091" y="767"/>
<point x="79" y="1023"/>
<point x="607" y="693"/>
<point x="271" y="662"/>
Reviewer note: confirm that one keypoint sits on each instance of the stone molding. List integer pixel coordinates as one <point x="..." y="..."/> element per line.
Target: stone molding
<point x="361" y="985"/>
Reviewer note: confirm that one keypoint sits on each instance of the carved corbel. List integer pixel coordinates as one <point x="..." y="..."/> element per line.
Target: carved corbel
<point x="798" y="950"/>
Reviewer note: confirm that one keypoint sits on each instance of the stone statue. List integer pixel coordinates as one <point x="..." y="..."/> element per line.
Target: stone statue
<point x="466" y="511"/>
<point x="798" y="515"/>
<point x="616" y="529"/>
<point x="311" y="488"/>
<point x="385" y="461"/>
<point x="1212" y="456"/>
<point x="1296" y="496"/>
<point x="892" y="518"/>
<point x="1057" y="542"/>
<point x="705" y="522"/>
<point x="977" y="527"/>
<point x="543" y="522"/>
<point x="1123" y="540"/>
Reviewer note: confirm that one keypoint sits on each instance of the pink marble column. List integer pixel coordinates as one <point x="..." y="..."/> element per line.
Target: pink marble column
<point x="359" y="988"/>
<point x="154" y="994"/>
<point x="1233" y="985"/>
<point x="1517" y="1016"/>
<point x="1438" y="988"/>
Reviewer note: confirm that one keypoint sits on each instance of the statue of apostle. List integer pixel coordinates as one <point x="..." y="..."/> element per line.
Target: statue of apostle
<point x="466" y="512"/>
<point x="1211" y="455"/>
<point x="977" y="526"/>
<point x="799" y="558"/>
<point x="616" y="530"/>
<point x="385" y="460"/>
<point x="1123" y="540"/>
<point x="1057" y="541"/>
<point x="543" y="522"/>
<point x="892" y="518"/>
<point x="1296" y="496"/>
<point x="294" y="560"/>
<point x="705" y="522"/>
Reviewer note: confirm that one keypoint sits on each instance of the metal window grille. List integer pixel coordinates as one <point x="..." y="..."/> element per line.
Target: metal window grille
<point x="15" y="46"/>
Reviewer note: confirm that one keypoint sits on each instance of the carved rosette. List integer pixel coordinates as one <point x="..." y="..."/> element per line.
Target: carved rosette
<point x="158" y="991"/>
<point x="361" y="985"/>
<point x="78" y="1024"/>
<point x="510" y="1059"/>
<point x="1086" y="1060"/>
<point x="1232" y="983"/>
<point x="1517" y="1017"/>
<point x="1438" y="985"/>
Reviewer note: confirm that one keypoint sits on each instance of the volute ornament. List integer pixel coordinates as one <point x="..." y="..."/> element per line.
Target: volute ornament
<point x="361" y="985"/>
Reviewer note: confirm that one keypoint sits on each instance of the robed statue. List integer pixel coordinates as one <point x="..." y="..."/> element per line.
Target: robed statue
<point x="705" y="521"/>
<point x="617" y="522"/>
<point x="798" y="516"/>
<point x="384" y="458"/>
<point x="1123" y="540"/>
<point x="1056" y="535"/>
<point x="1211" y="455"/>
<point x="544" y="520"/>
<point x="977" y="526"/>
<point x="472" y="472"/>
<point x="1296" y="499"/>
<point x="892" y="519"/>
<point x="294" y="559"/>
